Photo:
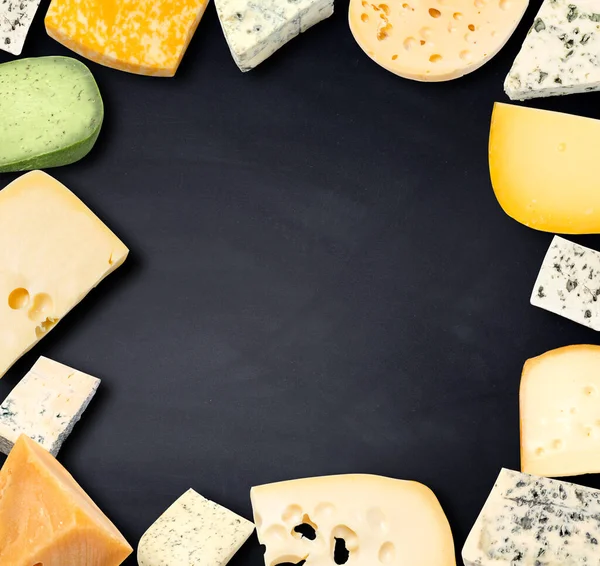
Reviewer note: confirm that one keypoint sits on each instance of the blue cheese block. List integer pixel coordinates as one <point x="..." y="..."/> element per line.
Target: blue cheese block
<point x="254" y="30"/>
<point x="534" y="521"/>
<point x="568" y="283"/>
<point x="45" y="405"/>
<point x="193" y="532"/>
<point x="561" y="53"/>
<point x="15" y="20"/>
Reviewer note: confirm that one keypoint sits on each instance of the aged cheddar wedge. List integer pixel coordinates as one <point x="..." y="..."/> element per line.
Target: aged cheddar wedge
<point x="433" y="41"/>
<point x="361" y="520"/>
<point x="146" y="37"/>
<point x="542" y="168"/>
<point x="53" y="251"/>
<point x="16" y="17"/>
<point x="51" y="112"/>
<point x="560" y="412"/>
<point x="46" y="519"/>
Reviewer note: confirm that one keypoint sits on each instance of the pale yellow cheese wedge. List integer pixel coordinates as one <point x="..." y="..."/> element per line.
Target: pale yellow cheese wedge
<point x="53" y="251"/>
<point x="437" y="40"/>
<point x="543" y="168"/>
<point x="361" y="520"/>
<point x="46" y="519"/>
<point x="560" y="412"/>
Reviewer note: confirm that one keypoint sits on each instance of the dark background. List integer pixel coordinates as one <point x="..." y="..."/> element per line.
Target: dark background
<point x="320" y="281"/>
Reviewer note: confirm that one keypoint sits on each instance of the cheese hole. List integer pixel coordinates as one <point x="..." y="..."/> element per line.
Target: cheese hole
<point x="422" y="42"/>
<point x="539" y="451"/>
<point x="426" y="32"/>
<point x="471" y="27"/>
<point x="469" y="38"/>
<point x="589" y="390"/>
<point x="457" y="16"/>
<point x="324" y="510"/>
<point x="18" y="299"/>
<point x="38" y="564"/>
<point x="562" y="147"/>
<point x="42" y="303"/>
<point x="588" y="431"/>
<point x="45" y="326"/>
<point x="394" y="57"/>
<point x="289" y="561"/>
<point x="341" y="554"/>
<point x="385" y="8"/>
<point x="435" y="58"/>
<point x="557" y="444"/>
<point x="505" y="5"/>
<point x="406" y="6"/>
<point x="434" y="13"/>
<point x="387" y="553"/>
<point x="452" y="28"/>
<point x="384" y="32"/>
<point x="111" y="260"/>
<point x="307" y="529"/>
<point x="292" y="514"/>
<point x="350" y="538"/>
<point x="410" y="43"/>
<point x="479" y="3"/>
<point x="364" y="17"/>
<point x="376" y="519"/>
<point x="466" y="55"/>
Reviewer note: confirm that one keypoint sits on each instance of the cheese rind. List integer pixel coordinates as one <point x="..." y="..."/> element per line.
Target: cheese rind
<point x="46" y="517"/>
<point x="380" y="521"/>
<point x="439" y="41"/>
<point x="53" y="251"/>
<point x="45" y="405"/>
<point x="194" y="531"/>
<point x="145" y="37"/>
<point x="535" y="521"/>
<point x="560" y="412"/>
<point x="16" y="17"/>
<point x="560" y="53"/>
<point x="255" y="30"/>
<point x="541" y="168"/>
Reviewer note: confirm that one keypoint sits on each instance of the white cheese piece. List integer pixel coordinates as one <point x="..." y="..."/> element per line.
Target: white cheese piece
<point x="255" y="29"/>
<point x="193" y="532"/>
<point x="568" y="283"/>
<point x="561" y="53"/>
<point x="16" y="17"/>
<point x="46" y="405"/>
<point x="534" y="521"/>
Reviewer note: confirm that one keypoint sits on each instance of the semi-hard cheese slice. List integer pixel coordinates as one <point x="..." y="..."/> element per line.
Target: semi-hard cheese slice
<point x="533" y="521"/>
<point x="433" y="41"/>
<point x="51" y="112"/>
<point x="53" y="251"/>
<point x="542" y="168"/>
<point x="560" y="53"/>
<point x="560" y="412"/>
<point x="16" y="17"/>
<point x="45" y="405"/>
<point x="146" y="37"/>
<point x="359" y="519"/>
<point x="254" y="30"/>
<point x="46" y="519"/>
<point x="569" y="283"/>
<point x="193" y="531"/>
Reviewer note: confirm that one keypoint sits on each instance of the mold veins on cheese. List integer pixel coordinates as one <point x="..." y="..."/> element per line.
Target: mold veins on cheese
<point x="359" y="519"/>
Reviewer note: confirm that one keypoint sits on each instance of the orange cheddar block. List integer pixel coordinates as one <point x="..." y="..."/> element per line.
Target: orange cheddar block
<point x="145" y="37"/>
<point x="46" y="519"/>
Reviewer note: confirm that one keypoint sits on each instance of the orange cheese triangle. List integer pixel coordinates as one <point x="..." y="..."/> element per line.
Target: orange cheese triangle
<point x="47" y="519"/>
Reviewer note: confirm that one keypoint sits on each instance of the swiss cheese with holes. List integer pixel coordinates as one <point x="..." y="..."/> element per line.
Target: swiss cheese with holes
<point x="53" y="251"/>
<point x="361" y="520"/>
<point x="560" y="412"/>
<point x="434" y="40"/>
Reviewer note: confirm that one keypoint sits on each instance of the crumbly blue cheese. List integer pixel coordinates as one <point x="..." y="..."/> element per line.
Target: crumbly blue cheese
<point x="45" y="405"/>
<point x="255" y="29"/>
<point x="568" y="283"/>
<point x="533" y="521"/>
<point x="193" y="532"/>
<point x="15" y="20"/>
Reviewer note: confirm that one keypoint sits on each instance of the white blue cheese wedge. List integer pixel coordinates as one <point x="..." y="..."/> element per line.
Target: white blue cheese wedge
<point x="561" y="53"/>
<point x="193" y="532"/>
<point x="535" y="521"/>
<point x="255" y="29"/>
<point x="568" y="283"/>
<point x="46" y="405"/>
<point x="16" y="17"/>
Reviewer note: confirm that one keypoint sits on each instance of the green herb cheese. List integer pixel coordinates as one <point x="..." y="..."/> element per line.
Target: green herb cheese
<point x="51" y="112"/>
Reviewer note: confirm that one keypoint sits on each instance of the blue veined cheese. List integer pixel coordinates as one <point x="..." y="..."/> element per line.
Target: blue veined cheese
<point x="255" y="29"/>
<point x="568" y="283"/>
<point x="16" y="17"/>
<point x="561" y="53"/>
<point x="46" y="405"/>
<point x="193" y="532"/>
<point x="534" y="521"/>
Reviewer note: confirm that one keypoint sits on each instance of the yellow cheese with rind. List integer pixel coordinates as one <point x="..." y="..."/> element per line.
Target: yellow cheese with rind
<point x="53" y="251"/>
<point x="145" y="37"/>
<point x="542" y="168"/>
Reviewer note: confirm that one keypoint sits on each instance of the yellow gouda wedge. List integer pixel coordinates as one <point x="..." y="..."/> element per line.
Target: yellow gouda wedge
<point x="46" y="519"/>
<point x="436" y="40"/>
<point x="146" y="37"/>
<point x="542" y="168"/>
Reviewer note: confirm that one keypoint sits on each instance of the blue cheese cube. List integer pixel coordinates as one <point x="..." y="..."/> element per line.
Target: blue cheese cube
<point x="561" y="53"/>
<point x="16" y="17"/>
<point x="535" y="521"/>
<point x="193" y="532"/>
<point x="254" y="30"/>
<point x="46" y="405"/>
<point x="568" y="283"/>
